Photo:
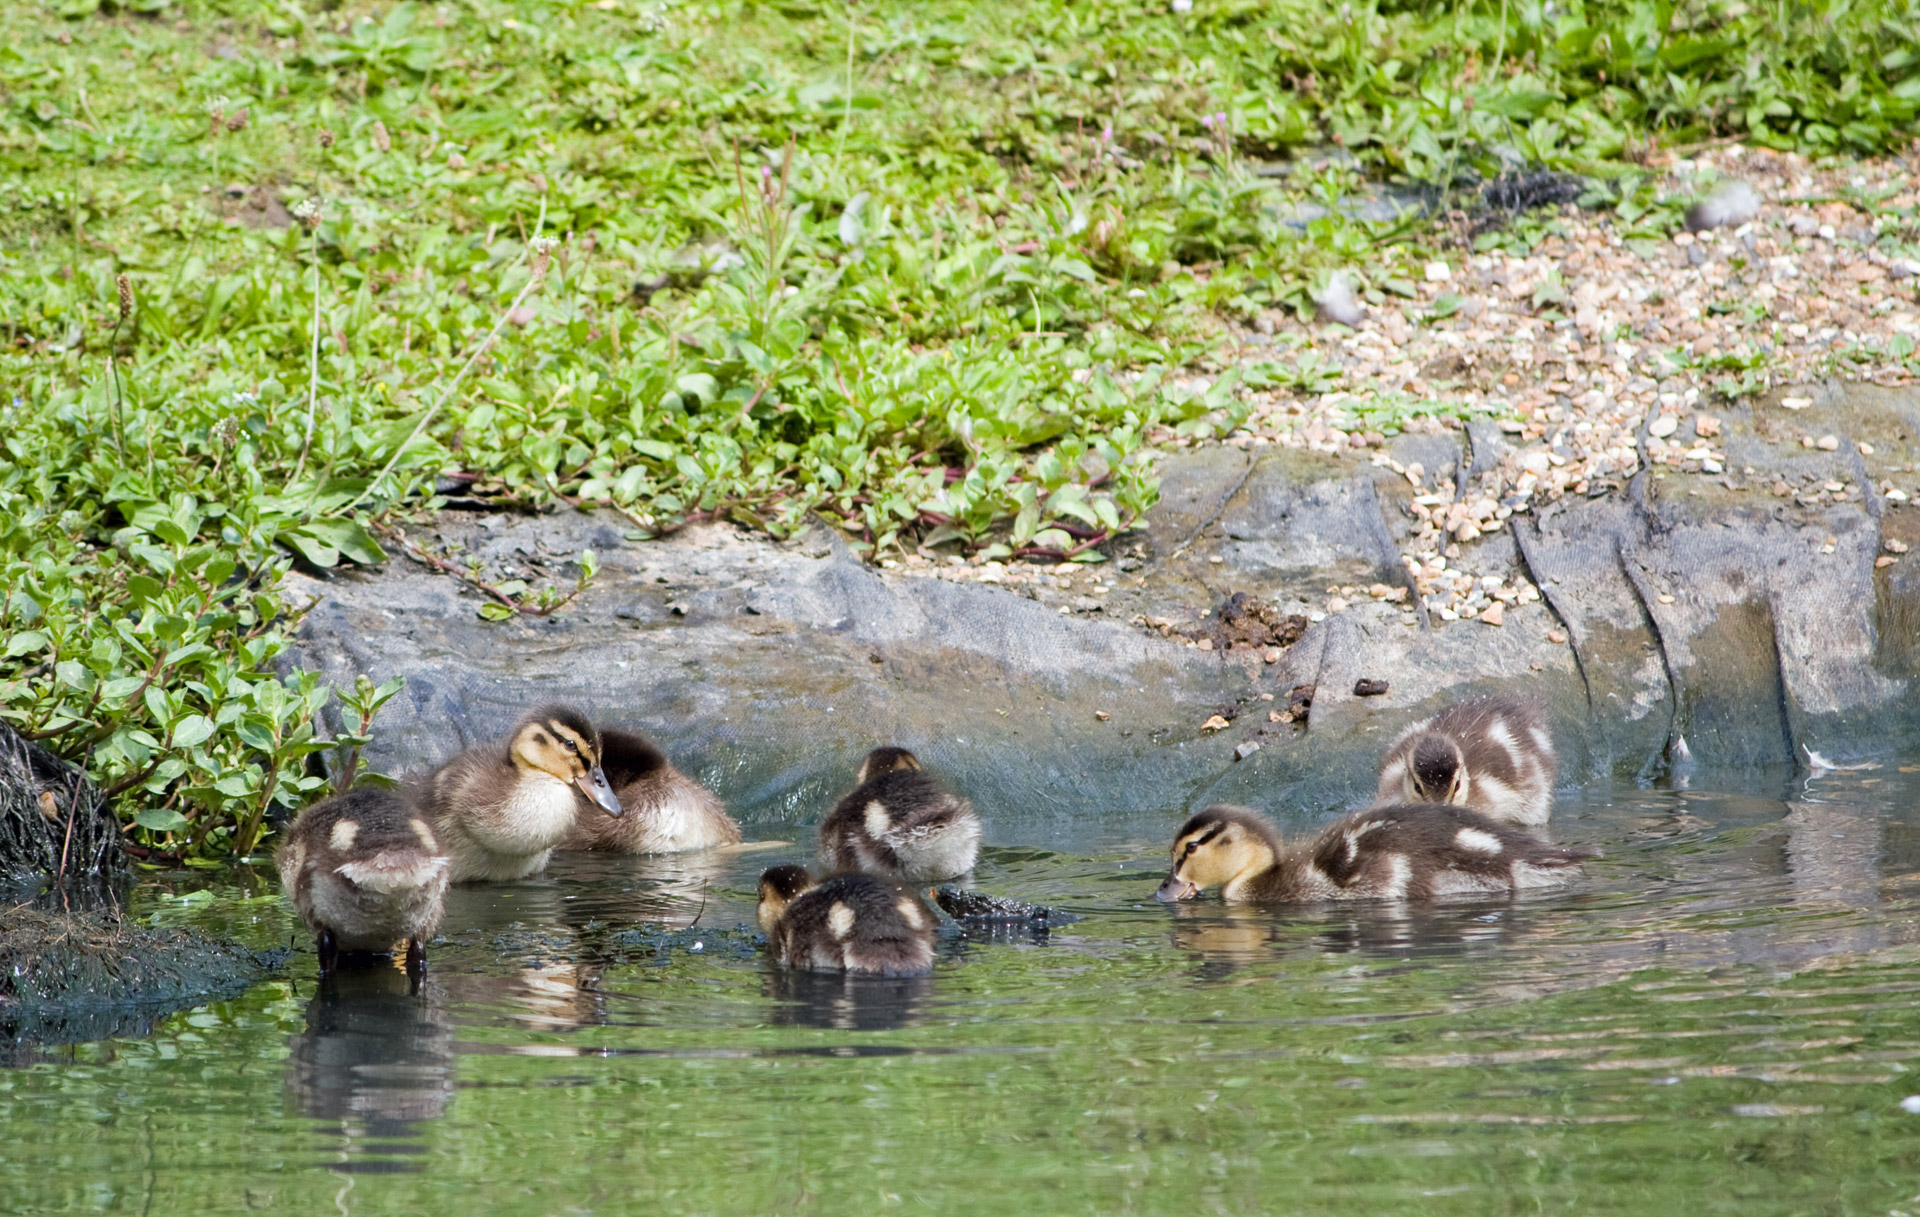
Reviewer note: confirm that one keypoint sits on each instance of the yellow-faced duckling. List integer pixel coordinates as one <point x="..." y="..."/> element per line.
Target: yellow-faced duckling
<point x="847" y="923"/>
<point x="900" y="822"/>
<point x="663" y="810"/>
<point x="1408" y="851"/>
<point x="501" y="808"/>
<point x="1493" y="754"/>
<point x="365" y="871"/>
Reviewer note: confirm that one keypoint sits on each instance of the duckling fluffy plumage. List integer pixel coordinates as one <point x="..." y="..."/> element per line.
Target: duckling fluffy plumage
<point x="899" y="821"/>
<point x="365" y="871"/>
<point x="663" y="811"/>
<point x="1406" y="851"/>
<point x="1493" y="754"/>
<point x="846" y="923"/>
<point x="502" y="807"/>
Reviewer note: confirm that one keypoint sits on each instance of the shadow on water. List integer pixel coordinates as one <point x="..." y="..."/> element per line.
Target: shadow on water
<point x="374" y="1063"/>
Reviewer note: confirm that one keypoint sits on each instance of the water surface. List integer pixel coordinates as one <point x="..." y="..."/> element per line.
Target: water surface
<point x="1720" y="1018"/>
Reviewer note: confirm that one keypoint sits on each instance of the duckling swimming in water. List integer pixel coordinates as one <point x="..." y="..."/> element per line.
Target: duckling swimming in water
<point x="1493" y="754"/>
<point x="664" y="810"/>
<point x="1407" y="851"/>
<point x="365" y="871"/>
<point x="846" y="923"/>
<point x="899" y="821"/>
<point x="501" y="808"/>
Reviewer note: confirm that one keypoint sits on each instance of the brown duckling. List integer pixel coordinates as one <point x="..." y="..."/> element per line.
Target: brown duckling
<point x="846" y="923"/>
<point x="899" y="821"/>
<point x="365" y="871"/>
<point x="663" y="810"/>
<point x="1493" y="754"/>
<point x="1407" y="851"/>
<point x="502" y="808"/>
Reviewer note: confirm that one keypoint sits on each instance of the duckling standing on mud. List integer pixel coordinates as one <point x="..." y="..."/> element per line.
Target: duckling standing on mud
<point x="664" y="810"/>
<point x="847" y="923"/>
<point x="900" y="822"/>
<point x="365" y="871"/>
<point x="1408" y="851"/>
<point x="1493" y="754"/>
<point x="501" y="808"/>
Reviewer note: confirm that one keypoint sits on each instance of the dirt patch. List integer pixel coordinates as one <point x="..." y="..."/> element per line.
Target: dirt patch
<point x="1249" y="623"/>
<point x="83" y="976"/>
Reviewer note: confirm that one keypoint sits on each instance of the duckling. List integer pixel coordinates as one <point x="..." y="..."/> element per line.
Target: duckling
<point x="900" y="822"/>
<point x="1407" y="851"/>
<point x="847" y="923"/>
<point x="665" y="811"/>
<point x="1493" y="754"/>
<point x="502" y="808"/>
<point x="365" y="871"/>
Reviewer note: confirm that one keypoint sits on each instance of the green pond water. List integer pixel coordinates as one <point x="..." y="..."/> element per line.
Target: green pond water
<point x="1721" y="1018"/>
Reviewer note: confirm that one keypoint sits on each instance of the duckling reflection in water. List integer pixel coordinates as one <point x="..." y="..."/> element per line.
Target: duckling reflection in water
<point x="501" y="808"/>
<point x="899" y="821"/>
<point x="663" y="810"/>
<point x="847" y="1001"/>
<point x="1493" y="754"/>
<point x="365" y="871"/>
<point x="1407" y="851"/>
<point x="847" y="923"/>
<point x="376" y="1055"/>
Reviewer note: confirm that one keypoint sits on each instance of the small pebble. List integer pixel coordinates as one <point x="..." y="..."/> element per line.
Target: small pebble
<point x="1246" y="750"/>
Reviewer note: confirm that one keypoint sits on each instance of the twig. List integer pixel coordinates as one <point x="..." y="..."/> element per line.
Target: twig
<point x="421" y="554"/>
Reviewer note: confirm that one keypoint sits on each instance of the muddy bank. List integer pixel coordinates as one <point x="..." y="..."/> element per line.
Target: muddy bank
<point x="1677" y="616"/>
<point x="67" y="977"/>
<point x="53" y="822"/>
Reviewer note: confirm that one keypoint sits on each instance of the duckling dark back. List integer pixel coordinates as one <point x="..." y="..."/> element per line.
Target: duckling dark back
<point x="902" y="823"/>
<point x="856" y="923"/>
<point x="1420" y="850"/>
<point x="363" y="822"/>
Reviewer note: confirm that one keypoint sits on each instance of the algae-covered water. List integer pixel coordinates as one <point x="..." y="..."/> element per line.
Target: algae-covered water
<point x="1721" y="1018"/>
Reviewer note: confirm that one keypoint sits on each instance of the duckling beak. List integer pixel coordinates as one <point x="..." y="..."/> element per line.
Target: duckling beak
<point x="1176" y="888"/>
<point x="594" y="785"/>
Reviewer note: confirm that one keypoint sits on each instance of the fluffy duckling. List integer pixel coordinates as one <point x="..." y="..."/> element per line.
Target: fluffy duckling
<point x="365" y="871"/>
<point x="900" y="822"/>
<point x="1493" y="754"/>
<point x="501" y="808"/>
<point x="1408" y="851"/>
<point x="847" y="923"/>
<point x="664" y="810"/>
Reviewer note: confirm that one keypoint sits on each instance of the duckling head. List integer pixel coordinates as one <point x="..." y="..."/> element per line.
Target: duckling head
<point x="1436" y="772"/>
<point x="1216" y="847"/>
<point x="885" y="760"/>
<point x="561" y="742"/>
<point x="779" y="887"/>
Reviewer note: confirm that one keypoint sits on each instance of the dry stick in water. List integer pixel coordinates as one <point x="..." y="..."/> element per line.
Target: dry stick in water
<point x="539" y="246"/>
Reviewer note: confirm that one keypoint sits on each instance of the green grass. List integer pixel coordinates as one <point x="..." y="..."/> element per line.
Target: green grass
<point x="923" y="270"/>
